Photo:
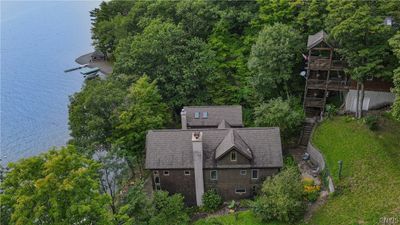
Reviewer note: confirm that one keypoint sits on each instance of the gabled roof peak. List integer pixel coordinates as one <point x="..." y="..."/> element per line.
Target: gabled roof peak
<point x="315" y="39"/>
<point x="232" y="140"/>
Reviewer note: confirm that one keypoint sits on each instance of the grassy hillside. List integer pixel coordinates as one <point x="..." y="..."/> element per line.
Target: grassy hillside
<point x="370" y="184"/>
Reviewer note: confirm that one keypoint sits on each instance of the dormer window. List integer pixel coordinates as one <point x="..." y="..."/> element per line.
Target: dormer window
<point x="233" y="156"/>
<point x="205" y="115"/>
<point x="197" y="115"/>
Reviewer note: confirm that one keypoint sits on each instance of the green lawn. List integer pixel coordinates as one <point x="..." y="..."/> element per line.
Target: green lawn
<point x="370" y="186"/>
<point x="244" y="218"/>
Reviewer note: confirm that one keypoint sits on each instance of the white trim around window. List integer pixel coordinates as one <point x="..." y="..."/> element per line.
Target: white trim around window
<point x="214" y="177"/>
<point x="240" y="190"/>
<point x="166" y="172"/>
<point x="256" y="173"/>
<point x="233" y="156"/>
<point x="187" y="172"/>
<point x="243" y="172"/>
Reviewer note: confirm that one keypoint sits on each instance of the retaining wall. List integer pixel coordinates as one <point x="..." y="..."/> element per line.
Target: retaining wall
<point x="317" y="158"/>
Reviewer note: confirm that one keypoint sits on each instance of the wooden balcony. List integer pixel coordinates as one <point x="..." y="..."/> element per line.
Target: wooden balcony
<point x="314" y="102"/>
<point x="333" y="85"/>
<point x="317" y="63"/>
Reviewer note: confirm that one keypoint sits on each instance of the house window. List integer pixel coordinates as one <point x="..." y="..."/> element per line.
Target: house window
<point x="240" y="190"/>
<point x="213" y="175"/>
<point x="155" y="172"/>
<point x="233" y="156"/>
<point x="158" y="187"/>
<point x="187" y="172"/>
<point x="243" y="172"/>
<point x="205" y="115"/>
<point x="157" y="180"/>
<point x="166" y="173"/>
<point x="254" y="174"/>
<point x="197" y="115"/>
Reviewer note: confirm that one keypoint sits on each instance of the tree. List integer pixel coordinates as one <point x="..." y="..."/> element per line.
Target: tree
<point x="358" y="28"/>
<point x="104" y="25"/>
<point x="165" y="53"/>
<point x="143" y="109"/>
<point x="57" y="187"/>
<point x="288" y="115"/>
<point x="312" y="16"/>
<point x="281" y="197"/>
<point x="92" y="115"/>
<point x="277" y="11"/>
<point x="135" y="206"/>
<point x="230" y="39"/>
<point x="395" y="44"/>
<point x="273" y="59"/>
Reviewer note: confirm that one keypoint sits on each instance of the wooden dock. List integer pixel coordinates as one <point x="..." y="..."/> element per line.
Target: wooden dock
<point x="75" y="68"/>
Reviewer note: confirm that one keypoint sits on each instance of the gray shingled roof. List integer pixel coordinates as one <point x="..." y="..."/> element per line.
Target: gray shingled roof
<point x="230" y="141"/>
<point x="317" y="38"/>
<point x="172" y="149"/>
<point x="224" y="125"/>
<point x="231" y="114"/>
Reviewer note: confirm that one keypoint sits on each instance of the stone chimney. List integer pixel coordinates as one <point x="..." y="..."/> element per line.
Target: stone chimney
<point x="197" y="141"/>
<point x="183" y="119"/>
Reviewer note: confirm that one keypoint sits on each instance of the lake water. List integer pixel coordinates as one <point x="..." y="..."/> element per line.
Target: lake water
<point x="39" y="40"/>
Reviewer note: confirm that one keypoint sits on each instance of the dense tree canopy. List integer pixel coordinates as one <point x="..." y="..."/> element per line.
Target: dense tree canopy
<point x="58" y="187"/>
<point x="165" y="53"/>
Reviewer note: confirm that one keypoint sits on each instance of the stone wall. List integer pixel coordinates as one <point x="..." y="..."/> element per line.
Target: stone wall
<point x="315" y="156"/>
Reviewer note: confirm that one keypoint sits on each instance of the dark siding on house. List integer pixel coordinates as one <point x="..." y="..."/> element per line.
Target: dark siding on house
<point x="229" y="179"/>
<point x="178" y="182"/>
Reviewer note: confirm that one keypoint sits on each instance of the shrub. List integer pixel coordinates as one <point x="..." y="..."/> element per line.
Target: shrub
<point x="330" y="110"/>
<point x="281" y="198"/>
<point x="211" y="200"/>
<point x="168" y="210"/>
<point x="372" y="122"/>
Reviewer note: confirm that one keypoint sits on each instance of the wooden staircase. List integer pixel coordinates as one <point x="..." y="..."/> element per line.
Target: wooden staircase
<point x="306" y="132"/>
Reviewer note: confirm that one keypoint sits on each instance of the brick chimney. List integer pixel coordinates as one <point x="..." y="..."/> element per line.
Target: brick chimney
<point x="197" y="141"/>
<point x="183" y="119"/>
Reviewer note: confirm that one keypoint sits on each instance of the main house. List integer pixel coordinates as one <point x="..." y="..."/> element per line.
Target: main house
<point x="212" y="151"/>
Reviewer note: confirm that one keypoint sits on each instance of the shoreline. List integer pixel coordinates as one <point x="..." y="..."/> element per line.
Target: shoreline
<point x="104" y="66"/>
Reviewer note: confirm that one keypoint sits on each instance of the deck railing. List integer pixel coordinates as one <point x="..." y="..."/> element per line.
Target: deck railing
<point x="332" y="84"/>
<point x="317" y="63"/>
